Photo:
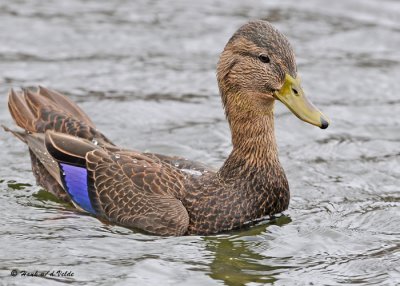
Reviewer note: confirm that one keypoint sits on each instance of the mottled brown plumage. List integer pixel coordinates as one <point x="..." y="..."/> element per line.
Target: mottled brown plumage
<point x="154" y="192"/>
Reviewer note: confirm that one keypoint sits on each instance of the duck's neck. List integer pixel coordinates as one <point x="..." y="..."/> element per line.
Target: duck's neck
<point x="253" y="139"/>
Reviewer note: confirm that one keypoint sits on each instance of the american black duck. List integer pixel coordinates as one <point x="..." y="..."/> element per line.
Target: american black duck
<point x="151" y="192"/>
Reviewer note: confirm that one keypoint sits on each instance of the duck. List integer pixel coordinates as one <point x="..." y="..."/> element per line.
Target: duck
<point x="160" y="194"/>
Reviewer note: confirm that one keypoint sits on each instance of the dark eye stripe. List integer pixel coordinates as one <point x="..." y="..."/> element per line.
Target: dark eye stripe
<point x="263" y="57"/>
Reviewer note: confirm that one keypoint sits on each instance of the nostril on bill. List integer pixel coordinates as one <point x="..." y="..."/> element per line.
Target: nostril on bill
<point x="295" y="91"/>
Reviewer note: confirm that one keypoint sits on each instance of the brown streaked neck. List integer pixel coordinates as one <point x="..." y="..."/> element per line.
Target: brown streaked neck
<point x="253" y="137"/>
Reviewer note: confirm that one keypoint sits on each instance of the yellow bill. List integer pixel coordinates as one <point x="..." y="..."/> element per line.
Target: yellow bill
<point x="292" y="95"/>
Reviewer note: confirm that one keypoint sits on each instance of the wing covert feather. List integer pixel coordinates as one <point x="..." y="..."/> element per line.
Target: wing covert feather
<point x="135" y="191"/>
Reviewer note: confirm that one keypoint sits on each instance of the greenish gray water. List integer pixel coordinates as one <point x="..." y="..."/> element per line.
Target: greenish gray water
<point x="145" y="73"/>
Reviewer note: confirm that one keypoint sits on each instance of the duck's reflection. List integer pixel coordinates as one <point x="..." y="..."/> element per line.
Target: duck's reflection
<point x="236" y="263"/>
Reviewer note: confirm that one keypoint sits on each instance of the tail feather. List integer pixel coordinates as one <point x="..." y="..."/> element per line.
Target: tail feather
<point x="20" y="135"/>
<point x="59" y="100"/>
<point x="27" y="104"/>
<point x="20" y="111"/>
<point x="34" y="101"/>
<point x="37" y="147"/>
<point x="50" y="122"/>
<point x="37" y="112"/>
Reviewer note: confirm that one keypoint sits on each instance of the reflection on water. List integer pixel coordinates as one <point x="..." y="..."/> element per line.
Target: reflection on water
<point x="145" y="73"/>
<point x="236" y="263"/>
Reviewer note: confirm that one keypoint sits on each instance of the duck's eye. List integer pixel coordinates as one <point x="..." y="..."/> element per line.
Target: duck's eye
<point x="264" y="58"/>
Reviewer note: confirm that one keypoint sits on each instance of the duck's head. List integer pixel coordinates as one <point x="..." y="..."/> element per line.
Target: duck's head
<point x="257" y="67"/>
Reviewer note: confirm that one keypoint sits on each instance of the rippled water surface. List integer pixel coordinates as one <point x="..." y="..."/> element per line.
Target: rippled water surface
<point x="145" y="73"/>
